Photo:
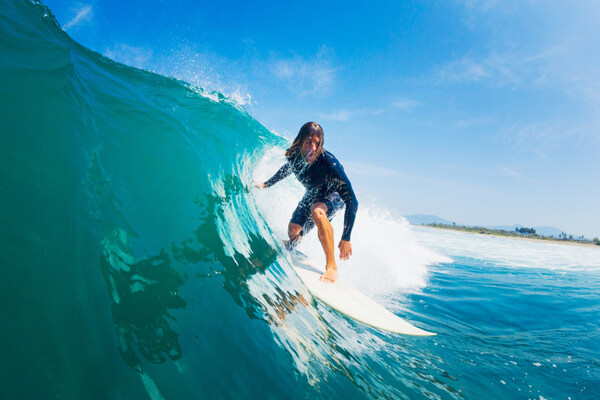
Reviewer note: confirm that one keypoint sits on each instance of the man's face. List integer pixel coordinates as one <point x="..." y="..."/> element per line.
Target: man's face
<point x="309" y="148"/>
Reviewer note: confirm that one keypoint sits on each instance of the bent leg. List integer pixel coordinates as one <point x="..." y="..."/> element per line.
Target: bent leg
<point x="319" y="215"/>
<point x="298" y="222"/>
<point x="294" y="233"/>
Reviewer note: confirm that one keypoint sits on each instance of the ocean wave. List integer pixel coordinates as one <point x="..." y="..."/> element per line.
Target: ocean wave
<point x="139" y="257"/>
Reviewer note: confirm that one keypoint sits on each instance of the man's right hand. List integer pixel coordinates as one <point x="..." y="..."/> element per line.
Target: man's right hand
<point x="345" y="249"/>
<point x="260" y="185"/>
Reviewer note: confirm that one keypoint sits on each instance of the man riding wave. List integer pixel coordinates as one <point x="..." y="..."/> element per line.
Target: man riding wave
<point x="328" y="189"/>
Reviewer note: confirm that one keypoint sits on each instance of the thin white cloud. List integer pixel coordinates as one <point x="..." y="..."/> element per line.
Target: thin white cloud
<point x="405" y="104"/>
<point x="138" y="57"/>
<point x="555" y="67"/>
<point x="480" y="121"/>
<point x="514" y="173"/>
<point x="400" y="104"/>
<point x="338" y="116"/>
<point x="548" y="137"/>
<point x="500" y="69"/>
<point x="306" y="77"/>
<point x="83" y="13"/>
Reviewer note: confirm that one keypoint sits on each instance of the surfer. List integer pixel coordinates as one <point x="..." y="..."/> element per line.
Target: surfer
<point x="327" y="190"/>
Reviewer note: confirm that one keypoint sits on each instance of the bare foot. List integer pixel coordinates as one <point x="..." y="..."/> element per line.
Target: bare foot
<point x="329" y="276"/>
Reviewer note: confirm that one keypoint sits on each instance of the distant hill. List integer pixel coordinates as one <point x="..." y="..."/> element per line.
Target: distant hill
<point x="422" y="219"/>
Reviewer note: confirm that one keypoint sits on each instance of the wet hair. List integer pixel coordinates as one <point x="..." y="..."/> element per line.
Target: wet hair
<point x="307" y="130"/>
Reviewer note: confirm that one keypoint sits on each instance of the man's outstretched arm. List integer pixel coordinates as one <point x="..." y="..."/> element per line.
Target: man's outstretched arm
<point x="283" y="172"/>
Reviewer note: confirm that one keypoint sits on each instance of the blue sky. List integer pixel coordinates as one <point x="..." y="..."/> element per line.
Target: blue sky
<point x="484" y="112"/>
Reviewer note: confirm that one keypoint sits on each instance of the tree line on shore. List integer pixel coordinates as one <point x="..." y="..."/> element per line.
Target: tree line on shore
<point x="522" y="231"/>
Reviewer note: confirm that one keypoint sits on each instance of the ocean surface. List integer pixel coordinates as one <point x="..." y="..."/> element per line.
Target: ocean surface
<point x="139" y="262"/>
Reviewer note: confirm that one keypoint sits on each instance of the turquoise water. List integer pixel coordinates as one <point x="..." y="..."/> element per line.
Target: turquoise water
<point x="138" y="262"/>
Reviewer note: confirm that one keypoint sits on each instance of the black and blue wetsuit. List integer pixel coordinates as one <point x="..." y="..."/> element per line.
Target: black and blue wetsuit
<point x="325" y="181"/>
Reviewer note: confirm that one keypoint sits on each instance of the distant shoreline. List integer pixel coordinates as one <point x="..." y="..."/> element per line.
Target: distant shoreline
<point x="509" y="235"/>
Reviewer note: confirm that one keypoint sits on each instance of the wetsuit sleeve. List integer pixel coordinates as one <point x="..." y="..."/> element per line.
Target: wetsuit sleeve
<point x="344" y="189"/>
<point x="283" y="172"/>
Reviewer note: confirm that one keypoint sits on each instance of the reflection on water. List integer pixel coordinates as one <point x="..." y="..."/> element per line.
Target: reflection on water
<point x="142" y="293"/>
<point x="235" y="268"/>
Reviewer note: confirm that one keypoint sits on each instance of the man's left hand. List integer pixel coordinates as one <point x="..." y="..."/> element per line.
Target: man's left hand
<point x="345" y="249"/>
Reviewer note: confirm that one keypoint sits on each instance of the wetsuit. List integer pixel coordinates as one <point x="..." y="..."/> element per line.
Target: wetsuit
<point x="325" y="181"/>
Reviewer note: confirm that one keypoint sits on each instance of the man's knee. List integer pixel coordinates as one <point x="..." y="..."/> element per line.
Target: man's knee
<point x="294" y="231"/>
<point x="319" y="211"/>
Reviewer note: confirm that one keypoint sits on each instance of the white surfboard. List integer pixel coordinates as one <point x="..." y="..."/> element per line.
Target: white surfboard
<point x="344" y="298"/>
